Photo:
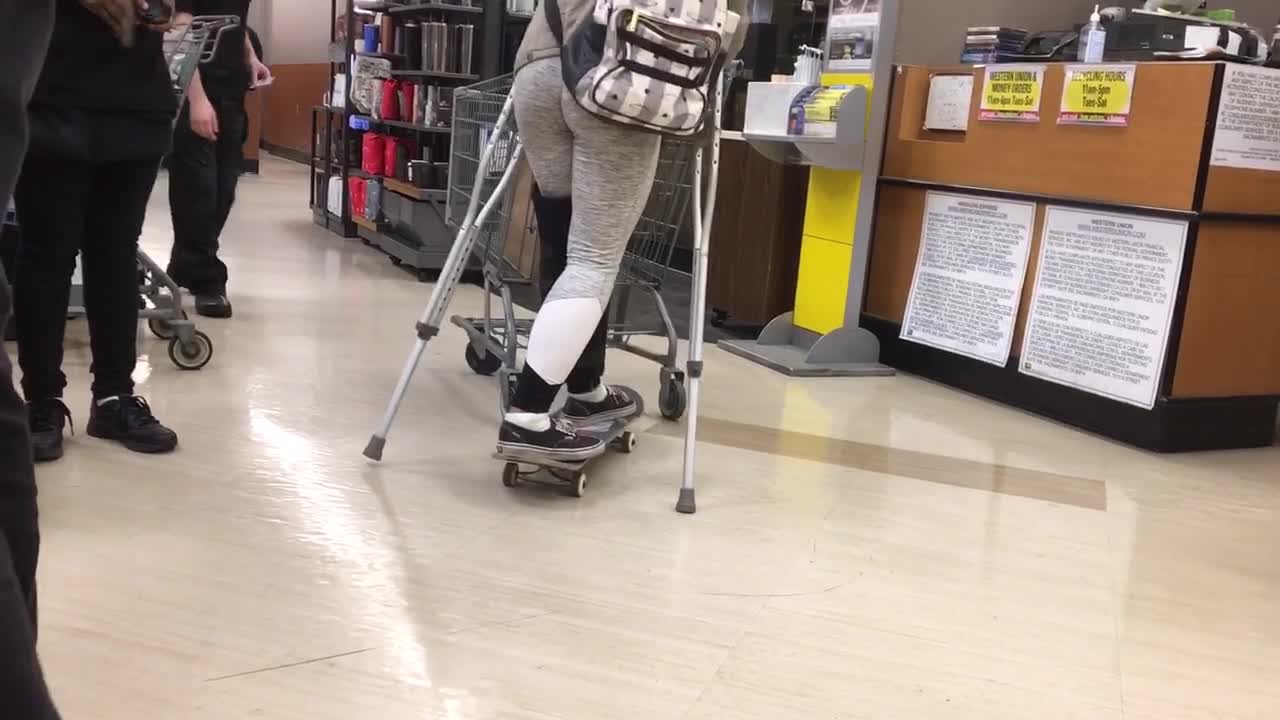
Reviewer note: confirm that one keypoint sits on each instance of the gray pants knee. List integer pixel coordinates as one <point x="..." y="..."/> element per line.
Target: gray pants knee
<point x="608" y="170"/>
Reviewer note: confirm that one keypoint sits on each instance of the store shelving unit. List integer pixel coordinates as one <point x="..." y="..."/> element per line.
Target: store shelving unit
<point x="413" y="231"/>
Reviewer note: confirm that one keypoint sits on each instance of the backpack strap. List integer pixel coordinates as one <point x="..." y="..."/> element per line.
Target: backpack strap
<point x="554" y="20"/>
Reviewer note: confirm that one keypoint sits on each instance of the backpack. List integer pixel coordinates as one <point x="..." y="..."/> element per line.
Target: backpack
<point x="647" y="64"/>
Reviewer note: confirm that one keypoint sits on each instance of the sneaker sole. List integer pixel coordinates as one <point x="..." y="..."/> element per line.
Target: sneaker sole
<point x="534" y="454"/>
<point x="134" y="445"/>
<point x="46" y="455"/>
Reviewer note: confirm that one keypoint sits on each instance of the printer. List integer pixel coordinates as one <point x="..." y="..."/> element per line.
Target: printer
<point x="1147" y="35"/>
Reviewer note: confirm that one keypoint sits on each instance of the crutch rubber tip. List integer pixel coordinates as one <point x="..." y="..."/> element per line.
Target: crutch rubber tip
<point x="373" y="450"/>
<point x="686" y="504"/>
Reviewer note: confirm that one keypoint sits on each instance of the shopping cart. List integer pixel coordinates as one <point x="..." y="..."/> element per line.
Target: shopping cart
<point x="486" y="151"/>
<point x="496" y="340"/>
<point x="185" y="48"/>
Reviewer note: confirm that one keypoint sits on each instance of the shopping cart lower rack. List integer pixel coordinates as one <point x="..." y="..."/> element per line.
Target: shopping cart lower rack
<point x="497" y="339"/>
<point x="185" y="48"/>
<point x="486" y="151"/>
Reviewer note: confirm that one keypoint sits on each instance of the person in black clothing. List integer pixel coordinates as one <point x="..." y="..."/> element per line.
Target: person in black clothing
<point x="100" y="123"/>
<point x="24" y="37"/>
<point x="207" y="157"/>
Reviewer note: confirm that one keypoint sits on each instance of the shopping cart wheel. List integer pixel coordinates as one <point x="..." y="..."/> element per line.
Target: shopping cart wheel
<point x="672" y="397"/>
<point x="425" y="275"/>
<point x="192" y="355"/>
<point x="626" y="442"/>
<point x="487" y="365"/>
<point x="511" y="475"/>
<point x="162" y="328"/>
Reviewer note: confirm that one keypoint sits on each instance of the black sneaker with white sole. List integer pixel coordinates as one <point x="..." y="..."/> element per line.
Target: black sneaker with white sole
<point x="128" y="420"/>
<point x="619" y="402"/>
<point x="557" y="442"/>
<point x="48" y="420"/>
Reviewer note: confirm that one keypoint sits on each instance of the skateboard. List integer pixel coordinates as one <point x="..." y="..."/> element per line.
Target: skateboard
<point x="572" y="474"/>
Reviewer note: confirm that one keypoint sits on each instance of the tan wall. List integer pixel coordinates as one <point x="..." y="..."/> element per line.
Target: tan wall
<point x="295" y="37"/>
<point x="299" y="30"/>
<point x="287" y="104"/>
<point x="931" y="32"/>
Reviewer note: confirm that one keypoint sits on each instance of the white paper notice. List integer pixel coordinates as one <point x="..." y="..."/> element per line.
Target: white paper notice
<point x="969" y="273"/>
<point x="949" y="99"/>
<point x="1248" y="134"/>
<point x="1103" y="301"/>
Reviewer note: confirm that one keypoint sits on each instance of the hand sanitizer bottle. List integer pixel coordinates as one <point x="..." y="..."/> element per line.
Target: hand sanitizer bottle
<point x="1093" y="39"/>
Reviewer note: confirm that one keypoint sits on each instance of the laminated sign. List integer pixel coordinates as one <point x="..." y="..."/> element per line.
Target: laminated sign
<point x="1012" y="93"/>
<point x="1097" y="95"/>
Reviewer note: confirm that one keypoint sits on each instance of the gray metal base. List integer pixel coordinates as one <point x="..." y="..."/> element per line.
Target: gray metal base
<point x="796" y="352"/>
<point x="686" y="502"/>
<point x="415" y="256"/>
<point x="373" y="450"/>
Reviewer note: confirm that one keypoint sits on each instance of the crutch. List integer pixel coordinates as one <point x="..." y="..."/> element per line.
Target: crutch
<point x="702" y="218"/>
<point x="428" y="326"/>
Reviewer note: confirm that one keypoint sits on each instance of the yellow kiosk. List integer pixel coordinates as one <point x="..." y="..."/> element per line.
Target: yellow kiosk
<point x="822" y="337"/>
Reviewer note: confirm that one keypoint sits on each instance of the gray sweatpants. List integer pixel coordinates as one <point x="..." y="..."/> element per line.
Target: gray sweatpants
<point x="608" y="171"/>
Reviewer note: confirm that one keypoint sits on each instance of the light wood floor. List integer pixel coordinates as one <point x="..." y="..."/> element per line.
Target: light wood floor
<point x="874" y="549"/>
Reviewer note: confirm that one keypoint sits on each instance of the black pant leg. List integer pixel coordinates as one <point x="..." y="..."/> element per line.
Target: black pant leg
<point x="18" y="514"/>
<point x="23" y="693"/>
<point x="22" y="688"/>
<point x="193" y="203"/>
<point x="116" y="210"/>
<point x="51" y="199"/>
<point x="233" y="125"/>
<point x="25" y="27"/>
<point x="555" y="216"/>
<point x="24" y="37"/>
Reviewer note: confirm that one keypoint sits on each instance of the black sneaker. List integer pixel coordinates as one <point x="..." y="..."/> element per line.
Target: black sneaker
<point x="129" y="421"/>
<point x="213" y="305"/>
<point x="555" y="443"/>
<point x="619" y="403"/>
<point x="47" y="419"/>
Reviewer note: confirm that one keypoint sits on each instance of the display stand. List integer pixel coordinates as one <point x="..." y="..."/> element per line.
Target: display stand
<point x="822" y="337"/>
<point x="766" y="129"/>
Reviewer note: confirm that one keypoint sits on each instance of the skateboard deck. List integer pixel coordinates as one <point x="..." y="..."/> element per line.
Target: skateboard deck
<point x="547" y="470"/>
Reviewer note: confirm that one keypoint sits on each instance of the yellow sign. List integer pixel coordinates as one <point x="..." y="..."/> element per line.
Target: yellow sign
<point x="1012" y="93"/>
<point x="1097" y="95"/>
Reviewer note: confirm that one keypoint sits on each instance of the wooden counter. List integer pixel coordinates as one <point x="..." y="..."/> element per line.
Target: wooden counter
<point x="1221" y="378"/>
<point x="755" y="239"/>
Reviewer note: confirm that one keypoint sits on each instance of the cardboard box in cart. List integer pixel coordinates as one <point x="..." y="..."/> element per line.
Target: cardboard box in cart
<point x="520" y="246"/>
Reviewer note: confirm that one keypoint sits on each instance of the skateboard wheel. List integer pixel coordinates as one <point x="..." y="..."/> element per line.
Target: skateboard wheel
<point x="511" y="475"/>
<point x="627" y="442"/>
<point x="578" y="486"/>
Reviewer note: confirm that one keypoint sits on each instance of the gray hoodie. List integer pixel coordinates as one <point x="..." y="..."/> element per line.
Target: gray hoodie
<point x="539" y="42"/>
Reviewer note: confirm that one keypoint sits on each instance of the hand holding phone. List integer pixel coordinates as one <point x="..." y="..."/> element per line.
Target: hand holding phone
<point x="157" y="15"/>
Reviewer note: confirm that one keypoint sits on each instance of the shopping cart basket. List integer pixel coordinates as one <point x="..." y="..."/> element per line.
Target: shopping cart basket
<point x="185" y="48"/>
<point x="485" y="152"/>
<point x="496" y="340"/>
